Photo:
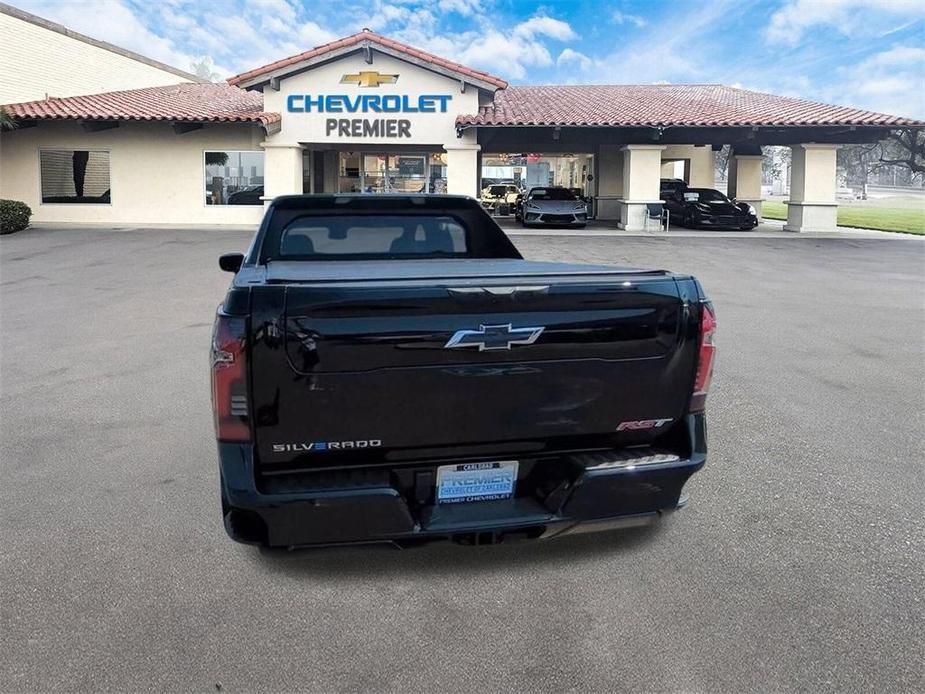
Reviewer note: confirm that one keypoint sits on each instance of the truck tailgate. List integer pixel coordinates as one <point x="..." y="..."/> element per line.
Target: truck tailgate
<point x="365" y="371"/>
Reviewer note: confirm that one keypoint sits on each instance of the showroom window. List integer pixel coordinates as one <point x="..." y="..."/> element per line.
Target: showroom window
<point x="234" y="178"/>
<point x="75" y="176"/>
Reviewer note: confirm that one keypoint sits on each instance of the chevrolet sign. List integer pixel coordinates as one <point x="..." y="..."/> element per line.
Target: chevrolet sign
<point x="368" y="103"/>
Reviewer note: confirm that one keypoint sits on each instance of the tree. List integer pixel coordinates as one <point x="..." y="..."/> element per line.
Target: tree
<point x="202" y="68"/>
<point x="905" y="148"/>
<point x="7" y="122"/>
<point x="721" y="162"/>
<point x="857" y="162"/>
<point x="775" y="163"/>
<point x="901" y="149"/>
<point x="216" y="158"/>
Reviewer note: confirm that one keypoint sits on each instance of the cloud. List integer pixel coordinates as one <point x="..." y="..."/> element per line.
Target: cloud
<point x="891" y="81"/>
<point x="680" y="53"/>
<point x="508" y="51"/>
<point x="568" y="58"/>
<point x="619" y="17"/>
<point x="311" y="34"/>
<point x="503" y="52"/>
<point x="279" y="9"/>
<point x="512" y="52"/>
<point x="789" y="24"/>
<point x="238" y="35"/>
<point x="466" y="8"/>
<point x="545" y="26"/>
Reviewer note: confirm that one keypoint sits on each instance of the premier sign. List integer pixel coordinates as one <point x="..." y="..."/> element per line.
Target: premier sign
<point x="368" y="103"/>
<point x="364" y="127"/>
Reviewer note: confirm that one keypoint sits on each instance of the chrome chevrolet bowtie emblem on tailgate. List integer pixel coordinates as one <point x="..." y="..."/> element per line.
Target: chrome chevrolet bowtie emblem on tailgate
<point x="493" y="337"/>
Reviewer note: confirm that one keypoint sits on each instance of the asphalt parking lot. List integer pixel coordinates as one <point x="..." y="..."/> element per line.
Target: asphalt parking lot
<point x="797" y="565"/>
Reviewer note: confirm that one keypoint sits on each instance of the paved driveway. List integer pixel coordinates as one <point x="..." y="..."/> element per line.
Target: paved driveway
<point x="798" y="564"/>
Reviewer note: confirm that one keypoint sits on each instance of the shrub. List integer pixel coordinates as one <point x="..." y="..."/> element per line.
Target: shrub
<point x="14" y="216"/>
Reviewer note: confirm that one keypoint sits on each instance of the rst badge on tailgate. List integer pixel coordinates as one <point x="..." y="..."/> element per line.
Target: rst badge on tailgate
<point x="642" y="424"/>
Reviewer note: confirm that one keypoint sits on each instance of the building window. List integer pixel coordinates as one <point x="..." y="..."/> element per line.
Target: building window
<point x="75" y="176"/>
<point x="234" y="178"/>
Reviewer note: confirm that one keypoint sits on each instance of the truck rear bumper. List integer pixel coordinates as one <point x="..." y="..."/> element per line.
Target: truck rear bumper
<point x="365" y="509"/>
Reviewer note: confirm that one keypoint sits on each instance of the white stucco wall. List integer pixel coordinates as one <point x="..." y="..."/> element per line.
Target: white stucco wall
<point x="156" y="175"/>
<point x="812" y="173"/>
<point x="462" y="166"/>
<point x="609" y="181"/>
<point x="745" y="177"/>
<point x="812" y="205"/>
<point x="642" y="167"/>
<point x="38" y="61"/>
<point x="701" y="162"/>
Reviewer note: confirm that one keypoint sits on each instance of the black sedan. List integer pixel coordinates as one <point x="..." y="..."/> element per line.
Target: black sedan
<point x="247" y="196"/>
<point x="710" y="209"/>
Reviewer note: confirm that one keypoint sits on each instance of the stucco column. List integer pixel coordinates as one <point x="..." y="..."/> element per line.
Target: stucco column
<point x="462" y="166"/>
<point x="812" y="205"/>
<point x="745" y="179"/>
<point x="609" y="179"/>
<point x="703" y="171"/>
<point x="698" y="164"/>
<point x="282" y="170"/>
<point x="642" y="167"/>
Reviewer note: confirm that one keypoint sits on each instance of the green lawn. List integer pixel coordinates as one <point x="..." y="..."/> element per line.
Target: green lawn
<point x="907" y="221"/>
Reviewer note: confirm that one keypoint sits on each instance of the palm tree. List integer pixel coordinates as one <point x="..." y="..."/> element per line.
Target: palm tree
<point x="6" y="120"/>
<point x="202" y="68"/>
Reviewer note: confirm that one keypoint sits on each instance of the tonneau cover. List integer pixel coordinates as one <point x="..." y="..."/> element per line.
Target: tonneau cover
<point x="435" y="269"/>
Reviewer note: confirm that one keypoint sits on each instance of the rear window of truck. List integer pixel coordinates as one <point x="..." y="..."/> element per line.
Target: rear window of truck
<point x="318" y="236"/>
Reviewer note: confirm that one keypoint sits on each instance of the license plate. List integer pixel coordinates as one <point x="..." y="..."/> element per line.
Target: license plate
<point x="476" y="481"/>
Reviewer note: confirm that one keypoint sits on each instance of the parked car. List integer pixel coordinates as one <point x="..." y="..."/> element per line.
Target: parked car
<point x="551" y="205"/>
<point x="708" y="208"/>
<point x="499" y="198"/>
<point x="390" y="369"/>
<point x="669" y="186"/>
<point x="248" y="196"/>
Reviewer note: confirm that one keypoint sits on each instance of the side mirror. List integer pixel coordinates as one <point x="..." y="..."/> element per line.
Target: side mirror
<point x="231" y="262"/>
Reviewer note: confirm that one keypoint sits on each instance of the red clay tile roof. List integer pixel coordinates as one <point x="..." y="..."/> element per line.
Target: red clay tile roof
<point x="703" y="105"/>
<point x="607" y="106"/>
<point x="372" y="37"/>
<point x="196" y="103"/>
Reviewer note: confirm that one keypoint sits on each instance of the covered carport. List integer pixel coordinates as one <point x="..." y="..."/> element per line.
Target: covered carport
<point x="635" y="131"/>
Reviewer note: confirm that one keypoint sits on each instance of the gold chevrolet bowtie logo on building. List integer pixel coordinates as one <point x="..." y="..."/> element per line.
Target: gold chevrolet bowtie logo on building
<point x="369" y="78"/>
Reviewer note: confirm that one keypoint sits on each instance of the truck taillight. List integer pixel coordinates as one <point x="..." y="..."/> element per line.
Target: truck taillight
<point x="229" y="379"/>
<point x="705" y="358"/>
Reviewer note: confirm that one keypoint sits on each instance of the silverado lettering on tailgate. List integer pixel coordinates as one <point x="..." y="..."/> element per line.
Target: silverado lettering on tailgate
<point x="318" y="446"/>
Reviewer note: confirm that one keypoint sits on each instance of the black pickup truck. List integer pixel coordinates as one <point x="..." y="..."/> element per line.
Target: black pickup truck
<point x="389" y="368"/>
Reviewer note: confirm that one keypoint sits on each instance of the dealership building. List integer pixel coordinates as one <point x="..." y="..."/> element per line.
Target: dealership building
<point x="369" y="114"/>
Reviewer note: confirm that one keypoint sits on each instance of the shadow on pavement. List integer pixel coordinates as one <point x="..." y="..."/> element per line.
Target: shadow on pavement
<point x="386" y="561"/>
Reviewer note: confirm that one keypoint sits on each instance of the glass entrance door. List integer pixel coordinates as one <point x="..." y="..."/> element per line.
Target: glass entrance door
<point x="407" y="173"/>
<point x="391" y="173"/>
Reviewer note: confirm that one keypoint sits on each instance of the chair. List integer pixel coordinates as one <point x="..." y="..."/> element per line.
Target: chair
<point x="655" y="211"/>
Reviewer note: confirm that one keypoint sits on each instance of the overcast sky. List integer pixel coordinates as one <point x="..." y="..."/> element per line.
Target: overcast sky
<point x="866" y="53"/>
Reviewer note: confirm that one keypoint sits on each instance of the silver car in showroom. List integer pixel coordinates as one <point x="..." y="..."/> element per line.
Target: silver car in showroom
<point x="552" y="206"/>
